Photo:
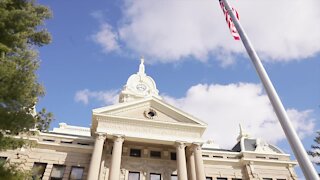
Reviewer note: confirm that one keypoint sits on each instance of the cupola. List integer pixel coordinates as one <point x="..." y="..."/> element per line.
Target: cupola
<point x="139" y="86"/>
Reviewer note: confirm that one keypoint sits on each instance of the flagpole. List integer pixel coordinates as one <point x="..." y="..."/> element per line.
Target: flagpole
<point x="300" y="153"/>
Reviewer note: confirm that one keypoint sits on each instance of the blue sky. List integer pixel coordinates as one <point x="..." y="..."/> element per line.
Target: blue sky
<point x="191" y="55"/>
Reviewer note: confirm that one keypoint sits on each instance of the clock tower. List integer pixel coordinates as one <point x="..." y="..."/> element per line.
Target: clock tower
<point x="139" y="86"/>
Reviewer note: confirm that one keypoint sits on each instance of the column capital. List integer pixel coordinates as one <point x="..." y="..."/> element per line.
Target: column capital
<point x="196" y="145"/>
<point x="100" y="135"/>
<point x="118" y="138"/>
<point x="180" y="144"/>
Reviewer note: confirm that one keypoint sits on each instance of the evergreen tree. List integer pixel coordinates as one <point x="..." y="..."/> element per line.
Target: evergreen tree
<point x="21" y="32"/>
<point x="315" y="149"/>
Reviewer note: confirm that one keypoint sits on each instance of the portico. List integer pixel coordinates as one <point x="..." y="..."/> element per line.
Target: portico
<point x="194" y="171"/>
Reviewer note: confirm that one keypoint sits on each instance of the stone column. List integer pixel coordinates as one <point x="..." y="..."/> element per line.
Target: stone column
<point x="200" y="174"/>
<point x="114" y="173"/>
<point x="181" y="161"/>
<point x="191" y="164"/>
<point x="96" y="156"/>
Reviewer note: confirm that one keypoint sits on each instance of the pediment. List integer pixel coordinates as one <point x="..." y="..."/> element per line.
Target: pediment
<point x="145" y="108"/>
<point x="130" y="120"/>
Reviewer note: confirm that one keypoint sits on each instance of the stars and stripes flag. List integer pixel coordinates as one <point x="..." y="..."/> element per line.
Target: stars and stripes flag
<point x="231" y="26"/>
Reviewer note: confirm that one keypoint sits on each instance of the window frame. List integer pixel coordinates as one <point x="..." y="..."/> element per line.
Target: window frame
<point x="57" y="165"/>
<point x="76" y="167"/>
<point x="173" y="175"/>
<point x="134" y="172"/>
<point x="40" y="164"/>
<point x="132" y="153"/>
<point x="155" y="174"/>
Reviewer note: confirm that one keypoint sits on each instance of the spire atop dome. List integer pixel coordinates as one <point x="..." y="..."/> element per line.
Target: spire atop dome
<point x="139" y="86"/>
<point x="242" y="133"/>
<point x="141" y="66"/>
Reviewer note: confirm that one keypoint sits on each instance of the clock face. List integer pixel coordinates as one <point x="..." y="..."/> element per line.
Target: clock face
<point x="141" y="87"/>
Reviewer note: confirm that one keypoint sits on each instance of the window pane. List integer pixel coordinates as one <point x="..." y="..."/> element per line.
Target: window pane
<point x="208" y="178"/>
<point x="57" y="172"/>
<point x="134" y="176"/>
<point x="135" y="152"/>
<point x="173" y="156"/>
<point x="76" y="173"/>
<point x="155" y="176"/>
<point x="174" y="177"/>
<point x="38" y="170"/>
<point x="222" y="178"/>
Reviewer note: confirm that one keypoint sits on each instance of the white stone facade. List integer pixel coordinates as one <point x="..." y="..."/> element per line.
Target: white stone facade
<point x="145" y="138"/>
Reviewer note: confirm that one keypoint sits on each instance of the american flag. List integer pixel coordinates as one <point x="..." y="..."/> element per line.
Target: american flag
<point x="232" y="28"/>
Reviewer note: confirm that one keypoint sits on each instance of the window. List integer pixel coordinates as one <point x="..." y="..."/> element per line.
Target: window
<point x="38" y="170"/>
<point x="173" y="156"/>
<point x="48" y="140"/>
<point x="267" y="178"/>
<point x="155" y="154"/>
<point x="134" y="176"/>
<point x="66" y="142"/>
<point x="57" y="172"/>
<point x="262" y="157"/>
<point x="135" y="152"/>
<point x="208" y="178"/>
<point x="3" y="159"/>
<point x="76" y="173"/>
<point x="236" y="179"/>
<point x="222" y="178"/>
<point x="217" y="156"/>
<point x="174" y="177"/>
<point x="154" y="176"/>
<point x="83" y="144"/>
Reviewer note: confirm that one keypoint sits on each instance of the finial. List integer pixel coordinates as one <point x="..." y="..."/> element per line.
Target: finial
<point x="242" y="133"/>
<point x="241" y="130"/>
<point x="141" y="67"/>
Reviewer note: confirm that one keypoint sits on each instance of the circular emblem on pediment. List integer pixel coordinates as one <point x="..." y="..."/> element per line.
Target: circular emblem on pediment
<point x="150" y="113"/>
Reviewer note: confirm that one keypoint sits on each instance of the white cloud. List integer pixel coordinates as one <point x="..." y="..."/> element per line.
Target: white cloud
<point x="106" y="97"/>
<point x="106" y="37"/>
<point x="169" y="30"/>
<point x="223" y="107"/>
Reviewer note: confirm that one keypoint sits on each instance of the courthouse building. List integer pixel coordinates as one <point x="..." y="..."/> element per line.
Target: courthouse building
<point x="144" y="138"/>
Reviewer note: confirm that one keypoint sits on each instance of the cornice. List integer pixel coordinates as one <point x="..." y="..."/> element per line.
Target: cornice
<point x="148" y="129"/>
<point x="264" y="153"/>
<point x="66" y="136"/>
<point x="244" y="160"/>
<point x="102" y="117"/>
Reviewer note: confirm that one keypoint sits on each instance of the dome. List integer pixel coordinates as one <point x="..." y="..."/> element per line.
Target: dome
<point x="139" y="86"/>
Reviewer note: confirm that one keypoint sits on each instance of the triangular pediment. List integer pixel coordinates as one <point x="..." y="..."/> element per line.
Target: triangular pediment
<point x="151" y="109"/>
<point x="131" y="119"/>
